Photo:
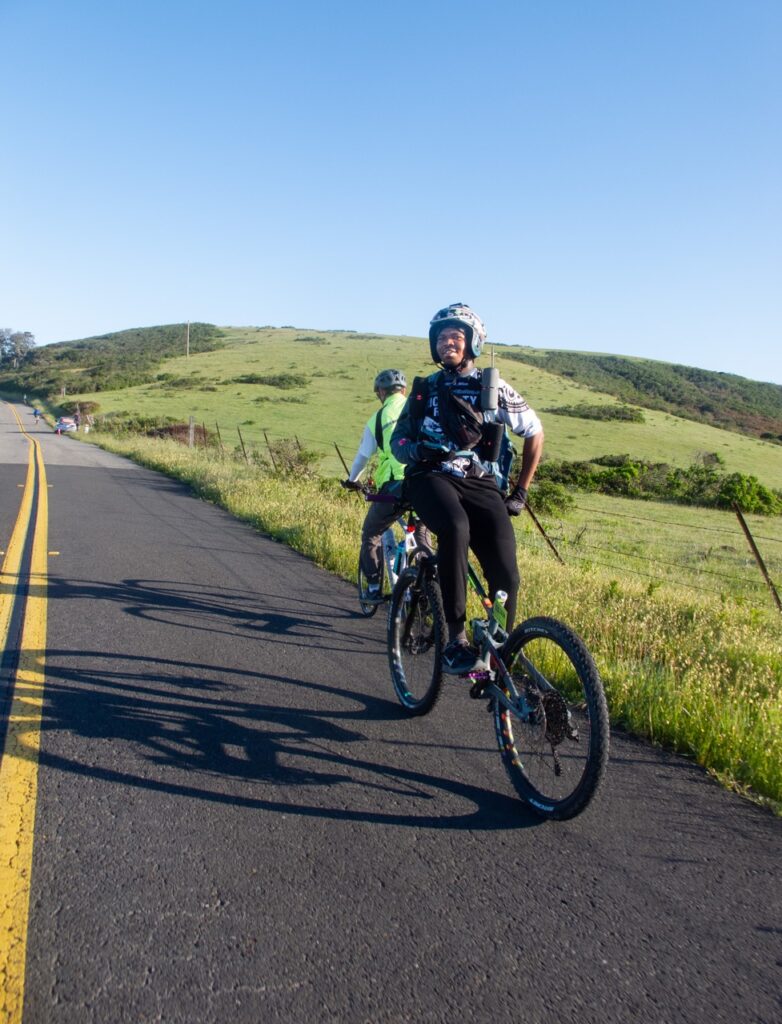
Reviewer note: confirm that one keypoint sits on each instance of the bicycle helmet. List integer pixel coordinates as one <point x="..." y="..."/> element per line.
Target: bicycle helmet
<point x="458" y="315"/>
<point x="390" y="380"/>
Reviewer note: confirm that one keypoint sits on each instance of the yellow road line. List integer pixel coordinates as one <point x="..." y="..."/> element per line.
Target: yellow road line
<point x="9" y="573"/>
<point x="19" y="765"/>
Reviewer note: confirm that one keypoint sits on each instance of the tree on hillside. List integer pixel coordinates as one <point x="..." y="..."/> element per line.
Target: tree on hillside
<point x="14" y="345"/>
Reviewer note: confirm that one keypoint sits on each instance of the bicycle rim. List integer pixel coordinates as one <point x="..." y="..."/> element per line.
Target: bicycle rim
<point x="556" y="753"/>
<point x="416" y="628"/>
<point x="368" y="605"/>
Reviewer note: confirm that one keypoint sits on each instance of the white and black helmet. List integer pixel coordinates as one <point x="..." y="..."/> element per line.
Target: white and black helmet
<point x="390" y="380"/>
<point x="458" y="315"/>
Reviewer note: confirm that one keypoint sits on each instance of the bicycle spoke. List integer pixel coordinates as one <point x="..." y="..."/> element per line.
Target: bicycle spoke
<point x="554" y="739"/>
<point x="415" y="632"/>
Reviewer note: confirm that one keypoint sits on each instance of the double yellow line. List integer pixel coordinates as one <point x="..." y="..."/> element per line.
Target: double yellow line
<point x="19" y="763"/>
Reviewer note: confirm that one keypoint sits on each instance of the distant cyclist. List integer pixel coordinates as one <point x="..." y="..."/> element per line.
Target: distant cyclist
<point x="389" y="387"/>
<point x="445" y="439"/>
<point x="36" y="415"/>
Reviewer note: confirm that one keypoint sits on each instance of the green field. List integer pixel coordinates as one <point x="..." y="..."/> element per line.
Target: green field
<point x="700" y="552"/>
<point x="336" y="399"/>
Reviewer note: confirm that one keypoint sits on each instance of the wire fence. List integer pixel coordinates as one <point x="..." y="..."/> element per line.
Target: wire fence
<point x="578" y="538"/>
<point x="733" y="565"/>
<point x="657" y="559"/>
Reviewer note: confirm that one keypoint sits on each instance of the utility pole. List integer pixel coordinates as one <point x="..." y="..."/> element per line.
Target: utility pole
<point x="187" y="341"/>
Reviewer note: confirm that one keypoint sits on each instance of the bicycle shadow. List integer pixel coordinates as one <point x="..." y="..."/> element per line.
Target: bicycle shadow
<point x="171" y="727"/>
<point x="218" y="610"/>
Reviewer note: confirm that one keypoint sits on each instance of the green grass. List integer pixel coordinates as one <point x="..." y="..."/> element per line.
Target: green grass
<point x="337" y="400"/>
<point x="693" y="671"/>
<point x="701" y="552"/>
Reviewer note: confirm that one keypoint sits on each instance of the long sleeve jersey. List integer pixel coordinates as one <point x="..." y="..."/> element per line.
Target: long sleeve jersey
<point x="388" y="467"/>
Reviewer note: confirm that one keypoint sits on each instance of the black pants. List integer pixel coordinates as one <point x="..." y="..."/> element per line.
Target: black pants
<point x="467" y="513"/>
<point x="379" y="517"/>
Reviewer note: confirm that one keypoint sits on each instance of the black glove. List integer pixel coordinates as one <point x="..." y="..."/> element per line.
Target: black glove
<point x="351" y="485"/>
<point x="424" y="451"/>
<point x="516" y="501"/>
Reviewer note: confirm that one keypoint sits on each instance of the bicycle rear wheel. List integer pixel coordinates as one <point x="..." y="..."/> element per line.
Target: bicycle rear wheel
<point x="416" y="628"/>
<point x="555" y="753"/>
<point x="367" y="604"/>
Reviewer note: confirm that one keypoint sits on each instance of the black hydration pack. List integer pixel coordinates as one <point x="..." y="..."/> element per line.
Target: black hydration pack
<point x="465" y="425"/>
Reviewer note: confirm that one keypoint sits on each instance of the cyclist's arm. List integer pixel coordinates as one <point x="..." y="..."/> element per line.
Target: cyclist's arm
<point x="366" y="450"/>
<point x="530" y="457"/>
<point x="524" y="422"/>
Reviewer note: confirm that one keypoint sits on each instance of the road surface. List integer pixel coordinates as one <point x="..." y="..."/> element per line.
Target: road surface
<point x="233" y="820"/>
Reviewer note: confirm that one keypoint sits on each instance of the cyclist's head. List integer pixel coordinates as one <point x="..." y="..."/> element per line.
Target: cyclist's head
<point x="459" y="317"/>
<point x="390" y="380"/>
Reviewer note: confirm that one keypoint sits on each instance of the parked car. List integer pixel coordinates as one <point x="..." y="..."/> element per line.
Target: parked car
<point x="64" y="424"/>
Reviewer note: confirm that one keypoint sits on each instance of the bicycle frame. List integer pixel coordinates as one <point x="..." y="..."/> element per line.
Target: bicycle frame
<point x="542" y="686"/>
<point x="396" y="553"/>
<point x="485" y="681"/>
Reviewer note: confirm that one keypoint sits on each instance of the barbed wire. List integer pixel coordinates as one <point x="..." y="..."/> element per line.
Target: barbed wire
<point x="592" y="511"/>
<point x="645" y="575"/>
<point x="674" y="565"/>
<point x="674" y="522"/>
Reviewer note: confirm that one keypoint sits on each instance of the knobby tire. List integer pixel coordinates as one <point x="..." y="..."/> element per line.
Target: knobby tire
<point x="416" y="631"/>
<point x="556" y="774"/>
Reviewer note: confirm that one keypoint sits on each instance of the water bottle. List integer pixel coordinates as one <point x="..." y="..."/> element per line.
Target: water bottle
<point x="499" y="616"/>
<point x="389" y="548"/>
<point x="399" y="554"/>
<point x="490" y="378"/>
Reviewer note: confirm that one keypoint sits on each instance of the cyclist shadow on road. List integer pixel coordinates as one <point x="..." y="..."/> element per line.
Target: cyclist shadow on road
<point x="256" y="742"/>
<point x="219" y="610"/>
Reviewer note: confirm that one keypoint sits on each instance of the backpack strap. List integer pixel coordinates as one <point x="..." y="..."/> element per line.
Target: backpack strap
<point x="419" y="394"/>
<point x="379" y="429"/>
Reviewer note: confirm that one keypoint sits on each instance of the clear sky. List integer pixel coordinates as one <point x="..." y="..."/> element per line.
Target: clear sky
<point x="603" y="175"/>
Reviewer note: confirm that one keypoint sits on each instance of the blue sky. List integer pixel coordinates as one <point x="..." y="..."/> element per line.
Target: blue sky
<point x="588" y="174"/>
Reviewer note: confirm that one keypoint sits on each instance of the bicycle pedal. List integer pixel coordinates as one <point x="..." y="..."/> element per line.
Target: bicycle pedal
<point x="480" y="680"/>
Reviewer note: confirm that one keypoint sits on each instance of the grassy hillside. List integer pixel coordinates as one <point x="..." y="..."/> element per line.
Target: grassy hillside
<point x="723" y="399"/>
<point x="334" y="397"/>
<point x="109" y="361"/>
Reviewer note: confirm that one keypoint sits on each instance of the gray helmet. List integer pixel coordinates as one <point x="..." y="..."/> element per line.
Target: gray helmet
<point x="390" y="380"/>
<point x="458" y="315"/>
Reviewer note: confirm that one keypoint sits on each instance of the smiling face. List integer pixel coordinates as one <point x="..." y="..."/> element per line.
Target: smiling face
<point x="451" y="346"/>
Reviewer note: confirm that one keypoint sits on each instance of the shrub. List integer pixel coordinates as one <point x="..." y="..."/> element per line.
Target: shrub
<point x="550" y="498"/>
<point x="749" y="494"/>
<point x="273" y="380"/>
<point x="85" y="408"/>
<point x="600" y="412"/>
<point x="703" y="483"/>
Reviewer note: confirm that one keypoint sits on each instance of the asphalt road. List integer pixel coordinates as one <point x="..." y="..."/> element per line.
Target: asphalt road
<point x="235" y="821"/>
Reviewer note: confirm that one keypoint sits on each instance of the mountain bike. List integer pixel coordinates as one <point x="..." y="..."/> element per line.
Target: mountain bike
<point x="398" y="553"/>
<point x="543" y="689"/>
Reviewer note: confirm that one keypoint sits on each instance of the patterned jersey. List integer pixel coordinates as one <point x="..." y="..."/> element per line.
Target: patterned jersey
<point x="417" y="425"/>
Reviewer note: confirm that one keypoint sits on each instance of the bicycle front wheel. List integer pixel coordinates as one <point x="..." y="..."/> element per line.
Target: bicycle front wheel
<point x="416" y="627"/>
<point x="554" y="745"/>
<point x="367" y="604"/>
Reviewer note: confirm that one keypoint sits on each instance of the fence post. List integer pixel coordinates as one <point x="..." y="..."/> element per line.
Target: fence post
<point x="219" y="438"/>
<point x="543" y="533"/>
<point x="241" y="441"/>
<point x="271" y="455"/>
<point x="754" y="549"/>
<point x="191" y="432"/>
